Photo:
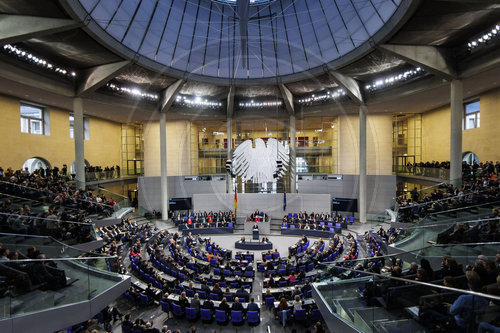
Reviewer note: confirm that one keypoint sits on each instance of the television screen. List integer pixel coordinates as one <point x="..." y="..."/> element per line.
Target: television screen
<point x="180" y="204"/>
<point x="344" y="205"/>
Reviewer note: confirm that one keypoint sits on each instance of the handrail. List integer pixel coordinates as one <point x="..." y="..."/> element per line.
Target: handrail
<point x="470" y="292"/>
<point x="464" y="208"/>
<point x="103" y="189"/>
<point x="37" y="189"/>
<point x="450" y="223"/>
<point x="59" y="259"/>
<point x="413" y="252"/>
<point x="44" y="218"/>
<point x="444" y="199"/>
<point x="46" y="237"/>
<point x="15" y="196"/>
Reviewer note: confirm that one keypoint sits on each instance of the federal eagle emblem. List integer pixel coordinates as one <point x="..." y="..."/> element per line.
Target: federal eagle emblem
<point x="259" y="164"/>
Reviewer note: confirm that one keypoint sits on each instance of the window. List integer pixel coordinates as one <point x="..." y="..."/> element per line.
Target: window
<point x="472" y="115"/>
<point x="32" y="120"/>
<point x="86" y="135"/>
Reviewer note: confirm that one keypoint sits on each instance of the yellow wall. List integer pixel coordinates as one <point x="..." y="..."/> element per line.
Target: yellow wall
<point x="103" y="148"/>
<point x="483" y="141"/>
<point x="378" y="146"/>
<point x="436" y="135"/>
<point x="178" y="148"/>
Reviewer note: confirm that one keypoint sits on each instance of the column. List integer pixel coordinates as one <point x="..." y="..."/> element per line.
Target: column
<point x="292" y="163"/>
<point x="237" y="142"/>
<point x="78" y="136"/>
<point x="229" y="179"/>
<point x="456" y="101"/>
<point x="362" y="163"/>
<point x="163" y="166"/>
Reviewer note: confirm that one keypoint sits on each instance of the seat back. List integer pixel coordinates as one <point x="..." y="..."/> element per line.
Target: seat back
<point x="236" y="316"/>
<point x="270" y="302"/>
<point x="214" y="296"/>
<point x="177" y="310"/>
<point x="253" y="317"/>
<point x="300" y="315"/>
<point x="220" y="316"/>
<point x="191" y="313"/>
<point x="206" y="314"/>
<point x="165" y="307"/>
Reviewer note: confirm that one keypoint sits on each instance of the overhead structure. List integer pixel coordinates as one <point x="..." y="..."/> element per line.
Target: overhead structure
<point x="16" y="28"/>
<point x="222" y="41"/>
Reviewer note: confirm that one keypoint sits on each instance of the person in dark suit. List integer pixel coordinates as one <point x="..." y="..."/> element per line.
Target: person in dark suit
<point x="208" y="304"/>
<point x="252" y="306"/>
<point x="242" y="294"/>
<point x="223" y="306"/>
<point x="237" y="306"/>
<point x="150" y="329"/>
<point x="127" y="322"/>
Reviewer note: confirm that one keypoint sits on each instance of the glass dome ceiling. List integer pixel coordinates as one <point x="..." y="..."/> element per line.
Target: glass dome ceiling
<point x="286" y="38"/>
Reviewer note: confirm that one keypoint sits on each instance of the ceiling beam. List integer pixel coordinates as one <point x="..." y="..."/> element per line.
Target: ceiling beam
<point x="230" y="102"/>
<point x="168" y="95"/>
<point x="287" y="99"/>
<point x="350" y="85"/>
<point x="17" y="28"/>
<point x="433" y="59"/>
<point x="95" y="77"/>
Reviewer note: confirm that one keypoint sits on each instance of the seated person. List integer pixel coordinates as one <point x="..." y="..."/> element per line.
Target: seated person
<point x="252" y="306"/>
<point x="237" y="306"/>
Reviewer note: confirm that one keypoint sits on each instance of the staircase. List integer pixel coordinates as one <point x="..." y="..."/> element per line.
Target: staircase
<point x="275" y="227"/>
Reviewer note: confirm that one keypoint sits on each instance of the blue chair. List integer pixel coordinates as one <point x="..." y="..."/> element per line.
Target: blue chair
<point x="189" y="293"/>
<point x="206" y="315"/>
<point x="226" y="272"/>
<point x="310" y="267"/>
<point x="309" y="293"/>
<point x="144" y="299"/>
<point x="261" y="268"/>
<point x="216" y="271"/>
<point x="182" y="277"/>
<point x="300" y="316"/>
<point x="202" y="294"/>
<point x="253" y="318"/>
<point x="237" y="273"/>
<point x="235" y="284"/>
<point x="214" y="297"/>
<point x="191" y="314"/>
<point x="177" y="310"/>
<point x="315" y="315"/>
<point x="229" y="298"/>
<point x="249" y="274"/>
<point x="126" y="329"/>
<point x="268" y="257"/>
<point x="282" y="271"/>
<point x="237" y="317"/>
<point x="220" y="317"/>
<point x="165" y="307"/>
<point x="284" y="316"/>
<point x="282" y="284"/>
<point x="270" y="303"/>
<point x="276" y="255"/>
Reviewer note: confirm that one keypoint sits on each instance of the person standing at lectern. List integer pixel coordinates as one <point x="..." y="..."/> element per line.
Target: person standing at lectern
<point x="255" y="227"/>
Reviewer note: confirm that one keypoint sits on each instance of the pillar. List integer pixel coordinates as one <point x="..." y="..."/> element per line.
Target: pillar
<point x="163" y="166"/>
<point x="362" y="163"/>
<point x="78" y="136"/>
<point x="456" y="101"/>
<point x="292" y="163"/>
<point x="229" y="179"/>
